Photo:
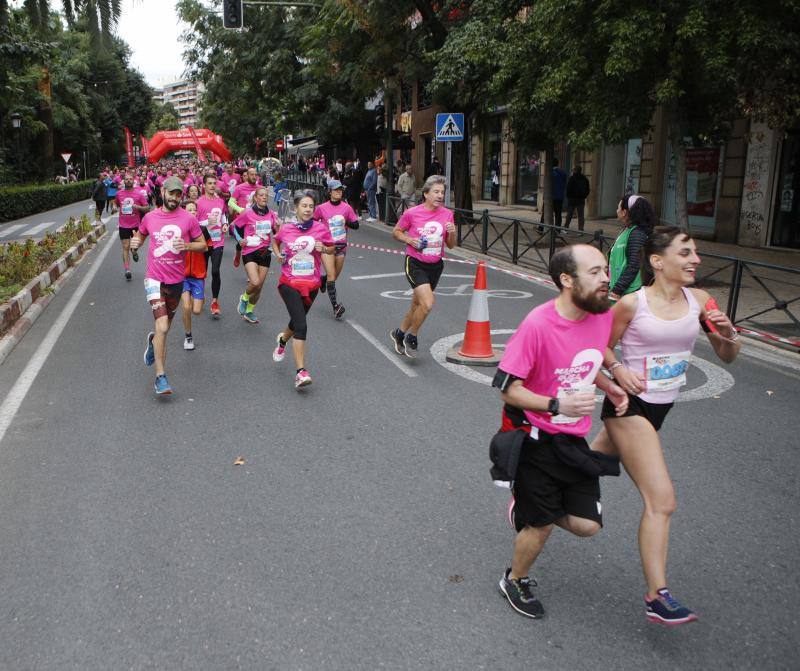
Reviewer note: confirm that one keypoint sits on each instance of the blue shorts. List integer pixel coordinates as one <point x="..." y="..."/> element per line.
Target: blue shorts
<point x="196" y="287"/>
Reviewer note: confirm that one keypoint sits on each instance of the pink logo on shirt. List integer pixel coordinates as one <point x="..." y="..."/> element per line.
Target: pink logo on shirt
<point x="583" y="367"/>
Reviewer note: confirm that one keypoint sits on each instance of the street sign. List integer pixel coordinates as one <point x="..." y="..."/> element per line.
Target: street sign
<point x="450" y="127"/>
<point x="279" y="145"/>
<point x="66" y="157"/>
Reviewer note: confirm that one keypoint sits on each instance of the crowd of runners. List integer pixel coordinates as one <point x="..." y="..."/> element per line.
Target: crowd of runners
<point x="561" y="354"/>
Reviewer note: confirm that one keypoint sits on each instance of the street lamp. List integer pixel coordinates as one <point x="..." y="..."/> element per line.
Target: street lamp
<point x="16" y="124"/>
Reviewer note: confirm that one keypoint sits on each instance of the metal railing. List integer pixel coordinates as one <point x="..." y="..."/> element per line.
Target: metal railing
<point x="760" y="297"/>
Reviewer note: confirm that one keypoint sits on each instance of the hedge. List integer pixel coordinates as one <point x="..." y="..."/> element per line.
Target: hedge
<point x="22" y="201"/>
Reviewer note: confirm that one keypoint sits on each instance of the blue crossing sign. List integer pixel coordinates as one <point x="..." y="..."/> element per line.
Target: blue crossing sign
<point x="450" y="127"/>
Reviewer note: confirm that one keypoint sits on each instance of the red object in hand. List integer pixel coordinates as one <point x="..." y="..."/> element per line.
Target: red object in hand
<point x="711" y="304"/>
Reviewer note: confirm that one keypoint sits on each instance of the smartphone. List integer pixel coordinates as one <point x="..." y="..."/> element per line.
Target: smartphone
<point x="708" y="325"/>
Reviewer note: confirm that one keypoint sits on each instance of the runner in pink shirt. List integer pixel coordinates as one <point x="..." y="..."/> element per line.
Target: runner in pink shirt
<point x="338" y="216"/>
<point x="258" y="225"/>
<point x="173" y="232"/>
<point x="240" y="200"/>
<point x="425" y="229"/>
<point x="132" y="205"/>
<point x="212" y="213"/>
<point x="547" y="377"/>
<point x="300" y="244"/>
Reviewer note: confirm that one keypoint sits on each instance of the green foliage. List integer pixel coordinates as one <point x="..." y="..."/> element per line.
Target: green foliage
<point x="20" y="262"/>
<point x="165" y="117"/>
<point x="22" y="201"/>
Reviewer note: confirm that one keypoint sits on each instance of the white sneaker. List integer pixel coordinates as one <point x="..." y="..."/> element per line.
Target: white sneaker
<point x="188" y="343"/>
<point x="302" y="379"/>
<point x="279" y="352"/>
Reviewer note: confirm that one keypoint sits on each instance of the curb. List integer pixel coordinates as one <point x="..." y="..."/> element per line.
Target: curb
<point x="18" y="315"/>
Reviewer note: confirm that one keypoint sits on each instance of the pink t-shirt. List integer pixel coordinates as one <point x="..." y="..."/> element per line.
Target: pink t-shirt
<point x="160" y="181"/>
<point x="213" y="214"/>
<point x="336" y="217"/>
<point x="129" y="217"/>
<point x="229" y="181"/>
<point x="556" y="357"/>
<point x="258" y="229"/>
<point x="163" y="263"/>
<point x="301" y="260"/>
<point x="420" y="222"/>
<point x="243" y="194"/>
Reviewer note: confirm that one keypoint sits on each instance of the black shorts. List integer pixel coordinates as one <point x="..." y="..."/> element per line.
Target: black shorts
<point x="418" y="273"/>
<point x="263" y="257"/>
<point x="546" y="488"/>
<point x="655" y="413"/>
<point x="166" y="305"/>
<point x="126" y="233"/>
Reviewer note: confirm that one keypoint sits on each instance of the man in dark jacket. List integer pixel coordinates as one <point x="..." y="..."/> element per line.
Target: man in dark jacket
<point x="577" y="192"/>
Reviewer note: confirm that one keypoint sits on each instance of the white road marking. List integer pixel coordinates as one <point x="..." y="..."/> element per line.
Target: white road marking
<point x="392" y="356"/>
<point x="40" y="228"/>
<point x="718" y="380"/>
<point x="19" y="391"/>
<point x="461" y="290"/>
<point x="8" y="230"/>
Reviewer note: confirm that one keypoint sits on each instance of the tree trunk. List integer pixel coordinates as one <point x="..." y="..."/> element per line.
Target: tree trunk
<point x="676" y="135"/>
<point x="547" y="196"/>
<point x="44" y="113"/>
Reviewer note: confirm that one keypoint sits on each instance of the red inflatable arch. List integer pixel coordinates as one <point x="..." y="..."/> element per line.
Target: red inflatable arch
<point x="198" y="140"/>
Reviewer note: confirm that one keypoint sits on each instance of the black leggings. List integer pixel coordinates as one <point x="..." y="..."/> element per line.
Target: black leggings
<point x="215" y="255"/>
<point x="297" y="308"/>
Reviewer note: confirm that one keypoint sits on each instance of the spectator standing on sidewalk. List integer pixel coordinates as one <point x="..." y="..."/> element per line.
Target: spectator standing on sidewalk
<point x="559" y="185"/>
<point x="577" y="192"/>
<point x="407" y="187"/>
<point x="383" y="191"/>
<point x="371" y="187"/>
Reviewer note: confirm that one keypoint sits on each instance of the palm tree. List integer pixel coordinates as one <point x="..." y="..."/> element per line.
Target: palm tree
<point x="101" y="15"/>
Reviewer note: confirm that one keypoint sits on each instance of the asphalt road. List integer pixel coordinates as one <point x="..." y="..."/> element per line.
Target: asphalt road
<point x="362" y="530"/>
<point x="38" y="225"/>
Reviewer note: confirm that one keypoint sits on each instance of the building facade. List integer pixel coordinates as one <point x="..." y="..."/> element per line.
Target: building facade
<point x="183" y="95"/>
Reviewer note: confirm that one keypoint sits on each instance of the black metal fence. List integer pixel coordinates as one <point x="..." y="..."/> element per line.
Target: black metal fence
<point x="761" y="297"/>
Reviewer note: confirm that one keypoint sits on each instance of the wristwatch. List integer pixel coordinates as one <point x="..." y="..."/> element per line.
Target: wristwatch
<point x="552" y="406"/>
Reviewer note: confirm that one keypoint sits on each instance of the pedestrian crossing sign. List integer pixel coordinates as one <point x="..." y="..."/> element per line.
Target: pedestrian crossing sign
<point x="450" y="127"/>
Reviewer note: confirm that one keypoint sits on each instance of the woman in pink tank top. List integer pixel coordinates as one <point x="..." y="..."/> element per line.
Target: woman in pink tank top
<point x="657" y="327"/>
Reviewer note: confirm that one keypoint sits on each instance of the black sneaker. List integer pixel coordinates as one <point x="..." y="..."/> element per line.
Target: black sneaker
<point x="410" y="345"/>
<point x="338" y="311"/>
<point x="135" y="255"/>
<point x="128" y="274"/>
<point x="666" y="609"/>
<point x="519" y="595"/>
<point x="397" y="341"/>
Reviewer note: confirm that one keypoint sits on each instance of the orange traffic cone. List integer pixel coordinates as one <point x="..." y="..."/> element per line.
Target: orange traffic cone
<point x="477" y="345"/>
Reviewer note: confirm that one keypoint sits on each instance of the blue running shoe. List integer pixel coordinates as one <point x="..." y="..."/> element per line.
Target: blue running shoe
<point x="242" y="308"/>
<point x="250" y="317"/>
<point x="162" y="386"/>
<point x="149" y="352"/>
<point x="666" y="609"/>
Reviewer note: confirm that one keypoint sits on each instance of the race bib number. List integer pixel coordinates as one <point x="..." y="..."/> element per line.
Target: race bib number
<point x="264" y="230"/>
<point x="252" y="241"/>
<point x="127" y="206"/>
<point x="338" y="230"/>
<point x="216" y="233"/>
<point x="565" y="392"/>
<point x="665" y="372"/>
<point x="434" y="246"/>
<point x="302" y="265"/>
<point x="152" y="289"/>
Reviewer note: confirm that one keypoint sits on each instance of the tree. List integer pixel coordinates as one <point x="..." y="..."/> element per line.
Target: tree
<point x="165" y="117"/>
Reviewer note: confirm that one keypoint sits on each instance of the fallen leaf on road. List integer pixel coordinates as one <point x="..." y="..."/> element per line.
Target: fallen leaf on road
<point x="456" y="578"/>
<point x="239" y="461"/>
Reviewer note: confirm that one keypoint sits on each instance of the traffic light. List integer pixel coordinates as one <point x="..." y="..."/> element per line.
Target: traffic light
<point x="380" y="120"/>
<point x="232" y="13"/>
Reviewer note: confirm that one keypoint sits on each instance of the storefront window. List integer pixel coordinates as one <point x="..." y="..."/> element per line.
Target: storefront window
<point x="703" y="170"/>
<point x="492" y="145"/>
<point x="633" y="165"/>
<point x="527" y="176"/>
<point x="786" y="229"/>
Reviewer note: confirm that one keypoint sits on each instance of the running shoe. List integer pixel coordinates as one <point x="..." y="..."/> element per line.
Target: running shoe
<point x="519" y="595"/>
<point x="338" y="311"/>
<point x="135" y="255"/>
<point x="149" y="352"/>
<point x="215" y="311"/>
<point x="128" y="275"/>
<point x="397" y="341"/>
<point x="666" y="609"/>
<point x="250" y="317"/>
<point x="162" y="386"/>
<point x="188" y="343"/>
<point x="242" y="308"/>
<point x="410" y="345"/>
<point x="237" y="258"/>
<point x="280" y="351"/>
<point x="302" y="379"/>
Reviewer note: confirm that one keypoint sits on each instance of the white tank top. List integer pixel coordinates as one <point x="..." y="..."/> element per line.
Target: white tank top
<point x="660" y="349"/>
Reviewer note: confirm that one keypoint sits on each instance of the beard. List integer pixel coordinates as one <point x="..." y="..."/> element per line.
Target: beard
<point x="590" y="301"/>
<point x="171" y="205"/>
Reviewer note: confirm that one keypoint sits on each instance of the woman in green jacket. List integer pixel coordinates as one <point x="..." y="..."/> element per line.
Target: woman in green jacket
<point x="624" y="260"/>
